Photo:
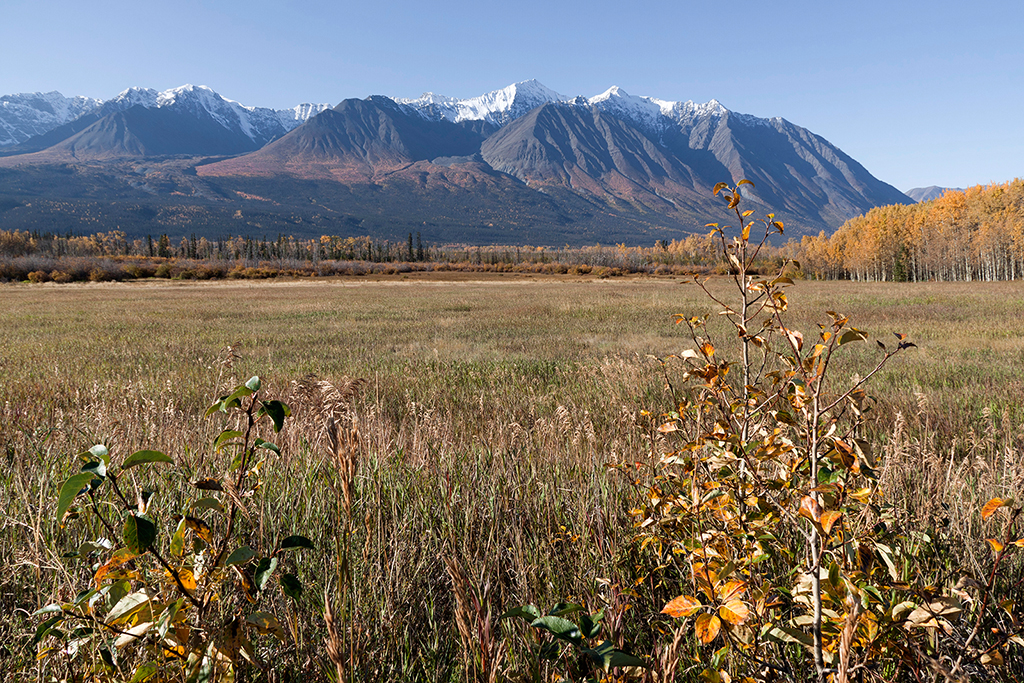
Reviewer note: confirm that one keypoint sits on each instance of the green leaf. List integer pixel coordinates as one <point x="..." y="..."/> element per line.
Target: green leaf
<point x="44" y="628"/>
<point x="208" y="504"/>
<point x="291" y="586"/>
<point x="144" y="457"/>
<point x="127" y="606"/>
<point x="253" y="384"/>
<point x="607" y="657"/>
<point x="526" y="612"/>
<point x="266" y="623"/>
<point x="178" y="539"/>
<point x="591" y="625"/>
<point x="260" y="443"/>
<point x="296" y="543"/>
<point x="560" y="628"/>
<point x="167" y="618"/>
<point x="49" y="609"/>
<point x="563" y="608"/>
<point x="240" y="556"/>
<point x="100" y="451"/>
<point x="276" y="410"/>
<point x="852" y="335"/>
<point x="70" y="490"/>
<point x="785" y="634"/>
<point x="145" y="672"/>
<point x="264" y="570"/>
<point x="139" y="533"/>
<point x="97" y="467"/>
<point x="226" y="435"/>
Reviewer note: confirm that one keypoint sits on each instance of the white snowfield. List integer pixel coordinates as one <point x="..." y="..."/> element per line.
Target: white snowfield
<point x="28" y="114"/>
<point x="25" y="115"/>
<point x="501" y="106"/>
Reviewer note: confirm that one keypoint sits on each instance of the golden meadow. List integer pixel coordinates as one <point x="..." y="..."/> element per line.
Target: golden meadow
<point x="489" y="410"/>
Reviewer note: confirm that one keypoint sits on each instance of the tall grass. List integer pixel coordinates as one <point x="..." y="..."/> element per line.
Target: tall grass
<point x="488" y="414"/>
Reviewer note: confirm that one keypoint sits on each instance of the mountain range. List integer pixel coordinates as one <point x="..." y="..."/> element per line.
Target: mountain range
<point x="519" y="165"/>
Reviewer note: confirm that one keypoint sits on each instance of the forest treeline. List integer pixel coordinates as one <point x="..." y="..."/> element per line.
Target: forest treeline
<point x="43" y="257"/>
<point x="977" y="234"/>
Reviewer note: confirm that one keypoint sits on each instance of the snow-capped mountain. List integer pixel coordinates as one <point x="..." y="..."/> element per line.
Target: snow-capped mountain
<point x="25" y="116"/>
<point x="497" y="107"/>
<point x="500" y="107"/>
<point x="28" y="114"/>
<point x="613" y="165"/>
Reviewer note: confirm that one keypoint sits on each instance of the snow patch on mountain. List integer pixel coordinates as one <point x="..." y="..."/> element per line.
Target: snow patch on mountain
<point x="24" y="115"/>
<point x="505" y="105"/>
<point x="497" y="107"/>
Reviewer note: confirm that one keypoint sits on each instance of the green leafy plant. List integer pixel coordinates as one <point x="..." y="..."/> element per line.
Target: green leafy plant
<point x="574" y="647"/>
<point x="173" y="596"/>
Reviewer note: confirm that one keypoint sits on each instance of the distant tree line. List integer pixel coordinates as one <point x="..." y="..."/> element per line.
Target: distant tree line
<point x="976" y="234"/>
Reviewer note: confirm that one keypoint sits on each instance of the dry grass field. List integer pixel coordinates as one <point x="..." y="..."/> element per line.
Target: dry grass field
<point x="490" y="409"/>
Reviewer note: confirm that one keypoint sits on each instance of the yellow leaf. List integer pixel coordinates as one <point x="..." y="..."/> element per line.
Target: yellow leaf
<point x="993" y="658"/>
<point x="991" y="507"/>
<point x="734" y="612"/>
<point x="861" y="495"/>
<point x="707" y="627"/>
<point x="188" y="579"/>
<point x="683" y="606"/>
<point x="996" y="545"/>
<point x="1019" y="543"/>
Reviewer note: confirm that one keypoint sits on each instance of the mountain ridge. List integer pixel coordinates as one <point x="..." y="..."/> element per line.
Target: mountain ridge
<point x="524" y="150"/>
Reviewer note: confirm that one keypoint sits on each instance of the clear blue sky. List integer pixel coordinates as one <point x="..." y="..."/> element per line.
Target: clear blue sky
<point x="921" y="93"/>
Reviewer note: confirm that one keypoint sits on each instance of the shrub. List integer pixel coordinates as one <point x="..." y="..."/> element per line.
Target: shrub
<point x="39" y="276"/>
<point x="763" y="517"/>
<point x="189" y="603"/>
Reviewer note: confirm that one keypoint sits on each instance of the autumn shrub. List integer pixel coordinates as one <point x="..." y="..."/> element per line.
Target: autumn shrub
<point x="769" y="534"/>
<point x="39" y="276"/>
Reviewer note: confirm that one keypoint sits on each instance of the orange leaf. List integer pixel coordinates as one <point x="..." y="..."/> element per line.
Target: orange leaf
<point x="734" y="612"/>
<point x="683" y="606"/>
<point x="731" y="590"/>
<point x="707" y="627"/>
<point x="113" y="563"/>
<point x="991" y="507"/>
<point x="810" y="509"/>
<point x="201" y="528"/>
<point x="996" y="545"/>
<point x="828" y="519"/>
<point x="668" y="427"/>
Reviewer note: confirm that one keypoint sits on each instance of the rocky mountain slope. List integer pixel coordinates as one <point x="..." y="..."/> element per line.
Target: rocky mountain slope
<point x="609" y="167"/>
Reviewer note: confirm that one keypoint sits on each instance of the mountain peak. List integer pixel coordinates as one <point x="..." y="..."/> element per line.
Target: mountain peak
<point x="498" y="106"/>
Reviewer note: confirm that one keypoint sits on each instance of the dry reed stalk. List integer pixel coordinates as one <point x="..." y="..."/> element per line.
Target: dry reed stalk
<point x="665" y="662"/>
<point x="853" y="608"/>
<point x="481" y="656"/>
